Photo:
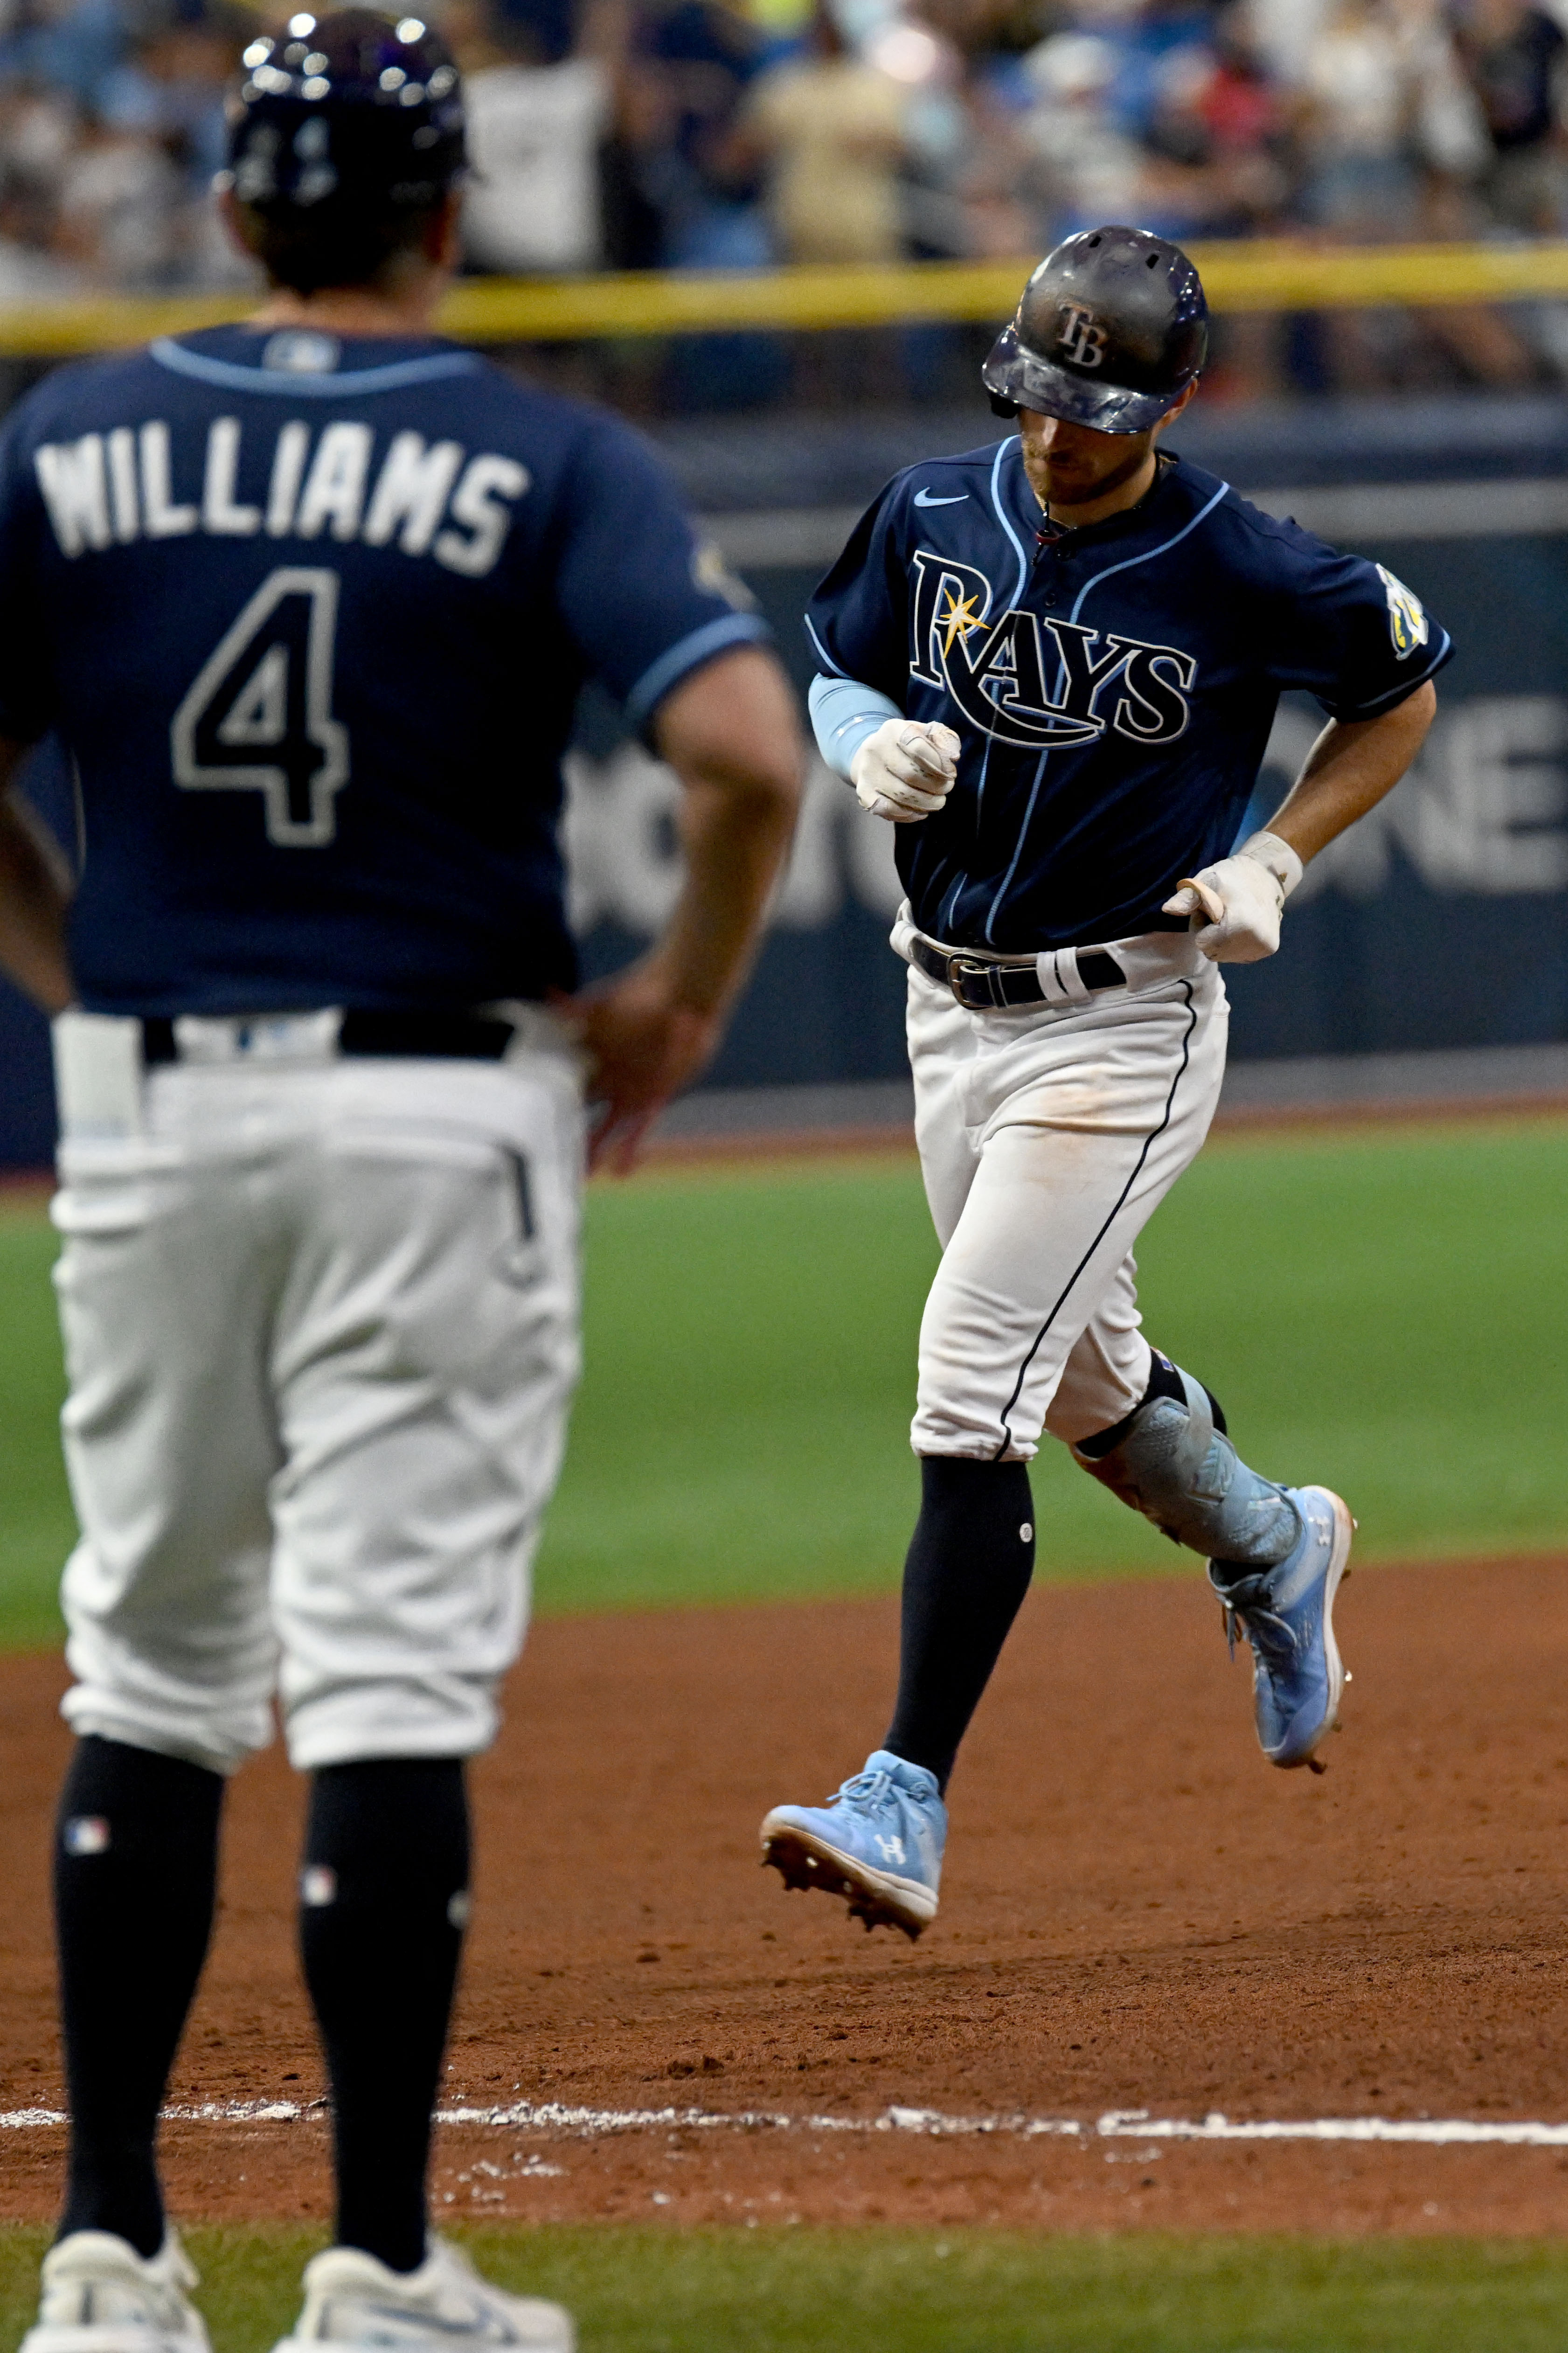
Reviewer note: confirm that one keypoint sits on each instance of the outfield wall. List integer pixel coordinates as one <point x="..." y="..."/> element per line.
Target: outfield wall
<point x="1440" y="922"/>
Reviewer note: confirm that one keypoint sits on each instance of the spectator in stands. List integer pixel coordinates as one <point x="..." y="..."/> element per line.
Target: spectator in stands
<point x="69" y="47"/>
<point x="30" y="268"/>
<point x="826" y="129"/>
<point x="1515" y="57"/>
<point x="172" y="86"/>
<point x="541" y="105"/>
<point x="38" y="133"/>
<point x="168" y="97"/>
<point x="971" y="175"/>
<point x="695" y="65"/>
<point x="1381" y="97"/>
<point x="1395" y="139"/>
<point x="1089" y="168"/>
<point x="1206" y="160"/>
<point x="120" y="213"/>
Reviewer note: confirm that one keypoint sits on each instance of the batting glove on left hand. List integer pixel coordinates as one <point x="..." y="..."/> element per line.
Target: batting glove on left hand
<point x="1236" y="904"/>
<point x="906" y="770"/>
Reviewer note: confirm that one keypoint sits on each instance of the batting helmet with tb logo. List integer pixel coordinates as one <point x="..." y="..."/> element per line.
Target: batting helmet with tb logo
<point x="1110" y="329"/>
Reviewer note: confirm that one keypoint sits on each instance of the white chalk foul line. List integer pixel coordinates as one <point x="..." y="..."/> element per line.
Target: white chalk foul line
<point x="1117" y="2123"/>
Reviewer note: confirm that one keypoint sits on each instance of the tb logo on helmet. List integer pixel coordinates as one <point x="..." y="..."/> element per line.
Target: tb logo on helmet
<point x="1080" y="339"/>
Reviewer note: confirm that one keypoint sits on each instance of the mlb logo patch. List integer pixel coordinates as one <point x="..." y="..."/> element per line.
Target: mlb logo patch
<point x="86" y="1834"/>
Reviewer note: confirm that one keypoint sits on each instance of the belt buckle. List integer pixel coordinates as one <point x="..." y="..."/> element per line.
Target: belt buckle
<point x="270" y="1038"/>
<point x="960" y="968"/>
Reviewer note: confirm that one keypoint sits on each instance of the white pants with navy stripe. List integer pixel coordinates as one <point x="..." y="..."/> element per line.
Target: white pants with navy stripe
<point x="1047" y="1137"/>
<point x="321" y="1324"/>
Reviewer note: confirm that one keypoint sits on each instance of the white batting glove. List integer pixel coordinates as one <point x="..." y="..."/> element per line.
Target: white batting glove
<point x="1236" y="904"/>
<point x="906" y="770"/>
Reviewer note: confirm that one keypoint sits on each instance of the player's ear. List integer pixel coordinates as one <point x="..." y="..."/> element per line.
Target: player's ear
<point x="442" y="243"/>
<point x="1176" y="407"/>
<point x="232" y="214"/>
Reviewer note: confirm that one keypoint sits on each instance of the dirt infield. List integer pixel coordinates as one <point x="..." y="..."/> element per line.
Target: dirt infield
<point x="1138" y="1915"/>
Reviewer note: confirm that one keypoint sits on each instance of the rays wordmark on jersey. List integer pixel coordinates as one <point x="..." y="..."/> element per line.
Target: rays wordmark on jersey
<point x="1033" y="680"/>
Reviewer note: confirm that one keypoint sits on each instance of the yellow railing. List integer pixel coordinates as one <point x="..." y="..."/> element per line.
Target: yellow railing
<point x="1277" y="275"/>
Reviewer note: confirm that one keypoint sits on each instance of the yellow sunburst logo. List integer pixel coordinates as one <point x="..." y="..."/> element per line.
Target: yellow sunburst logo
<point x="960" y="618"/>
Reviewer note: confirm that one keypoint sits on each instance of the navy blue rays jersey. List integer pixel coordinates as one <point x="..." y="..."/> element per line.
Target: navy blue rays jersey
<point x="1115" y="687"/>
<point x="311" y="619"/>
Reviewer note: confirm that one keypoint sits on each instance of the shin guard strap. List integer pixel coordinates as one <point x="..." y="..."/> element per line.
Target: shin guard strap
<point x="1182" y="1473"/>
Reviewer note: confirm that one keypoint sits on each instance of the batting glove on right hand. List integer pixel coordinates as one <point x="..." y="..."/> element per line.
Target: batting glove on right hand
<point x="906" y="770"/>
<point x="1236" y="904"/>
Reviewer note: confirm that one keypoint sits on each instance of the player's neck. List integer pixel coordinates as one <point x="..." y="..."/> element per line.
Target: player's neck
<point x="1079" y="512"/>
<point x="407" y="306"/>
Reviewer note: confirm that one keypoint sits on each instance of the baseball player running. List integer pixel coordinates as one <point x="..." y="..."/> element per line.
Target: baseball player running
<point x="1053" y="664"/>
<point x="311" y="601"/>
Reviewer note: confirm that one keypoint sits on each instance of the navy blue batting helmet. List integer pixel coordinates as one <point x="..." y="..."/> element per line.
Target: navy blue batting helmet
<point x="1109" y="332"/>
<point x="344" y="118"/>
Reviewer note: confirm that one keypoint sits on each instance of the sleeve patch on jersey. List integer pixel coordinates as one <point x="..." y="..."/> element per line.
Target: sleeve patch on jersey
<point x="1408" y="623"/>
<point x="710" y="571"/>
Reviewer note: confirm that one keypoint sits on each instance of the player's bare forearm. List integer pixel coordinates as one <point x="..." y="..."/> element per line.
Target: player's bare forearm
<point x="732" y="737"/>
<point x="1352" y="765"/>
<point x="35" y="892"/>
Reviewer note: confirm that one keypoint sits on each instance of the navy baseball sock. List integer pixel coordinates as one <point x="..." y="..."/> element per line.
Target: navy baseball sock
<point x="968" y="1569"/>
<point x="136" y="1871"/>
<point x="383" y="1900"/>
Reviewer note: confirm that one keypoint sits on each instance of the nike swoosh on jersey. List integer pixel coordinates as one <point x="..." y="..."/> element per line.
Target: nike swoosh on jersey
<point x="924" y="499"/>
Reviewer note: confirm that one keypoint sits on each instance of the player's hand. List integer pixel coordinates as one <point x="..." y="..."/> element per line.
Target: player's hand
<point x="906" y="770"/>
<point x="642" y="1046"/>
<point x="1235" y="905"/>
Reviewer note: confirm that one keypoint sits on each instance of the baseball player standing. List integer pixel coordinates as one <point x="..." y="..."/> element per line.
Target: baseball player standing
<point x="1054" y="664"/>
<point x="311" y="601"/>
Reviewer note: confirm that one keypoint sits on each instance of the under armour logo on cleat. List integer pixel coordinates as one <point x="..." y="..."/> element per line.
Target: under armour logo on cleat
<point x="892" y="1849"/>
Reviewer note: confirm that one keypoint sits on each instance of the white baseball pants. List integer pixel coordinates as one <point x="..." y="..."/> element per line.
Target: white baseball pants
<point x="321" y="1331"/>
<point x="1047" y="1137"/>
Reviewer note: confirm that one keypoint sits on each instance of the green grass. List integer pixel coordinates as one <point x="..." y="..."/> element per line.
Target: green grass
<point x="876" y="2290"/>
<point x="36" y="1528"/>
<point x="1380" y="1310"/>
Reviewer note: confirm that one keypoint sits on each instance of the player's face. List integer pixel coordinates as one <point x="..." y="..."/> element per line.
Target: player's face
<point x="1074" y="466"/>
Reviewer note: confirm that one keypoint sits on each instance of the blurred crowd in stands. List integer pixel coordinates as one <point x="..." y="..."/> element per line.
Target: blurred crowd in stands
<point x="732" y="133"/>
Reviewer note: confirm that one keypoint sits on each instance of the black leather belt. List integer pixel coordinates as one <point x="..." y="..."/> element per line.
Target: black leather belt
<point x="421" y="1037"/>
<point x="982" y="987"/>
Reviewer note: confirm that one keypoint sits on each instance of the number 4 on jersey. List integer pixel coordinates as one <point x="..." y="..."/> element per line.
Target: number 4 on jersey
<point x="259" y="716"/>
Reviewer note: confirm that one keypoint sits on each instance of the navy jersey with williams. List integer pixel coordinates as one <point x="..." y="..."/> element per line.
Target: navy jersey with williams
<point x="1115" y="687"/>
<point x="312" y="617"/>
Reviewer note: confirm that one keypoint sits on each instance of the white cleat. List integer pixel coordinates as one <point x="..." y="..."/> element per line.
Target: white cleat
<point x="100" y="2296"/>
<point x="352" y="2298"/>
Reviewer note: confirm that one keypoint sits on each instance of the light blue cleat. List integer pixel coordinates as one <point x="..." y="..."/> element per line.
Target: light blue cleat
<point x="1287" y="1614"/>
<point x="877" y="1843"/>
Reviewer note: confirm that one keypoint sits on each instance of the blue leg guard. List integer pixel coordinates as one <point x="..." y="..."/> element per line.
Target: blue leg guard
<point x="1180" y="1471"/>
